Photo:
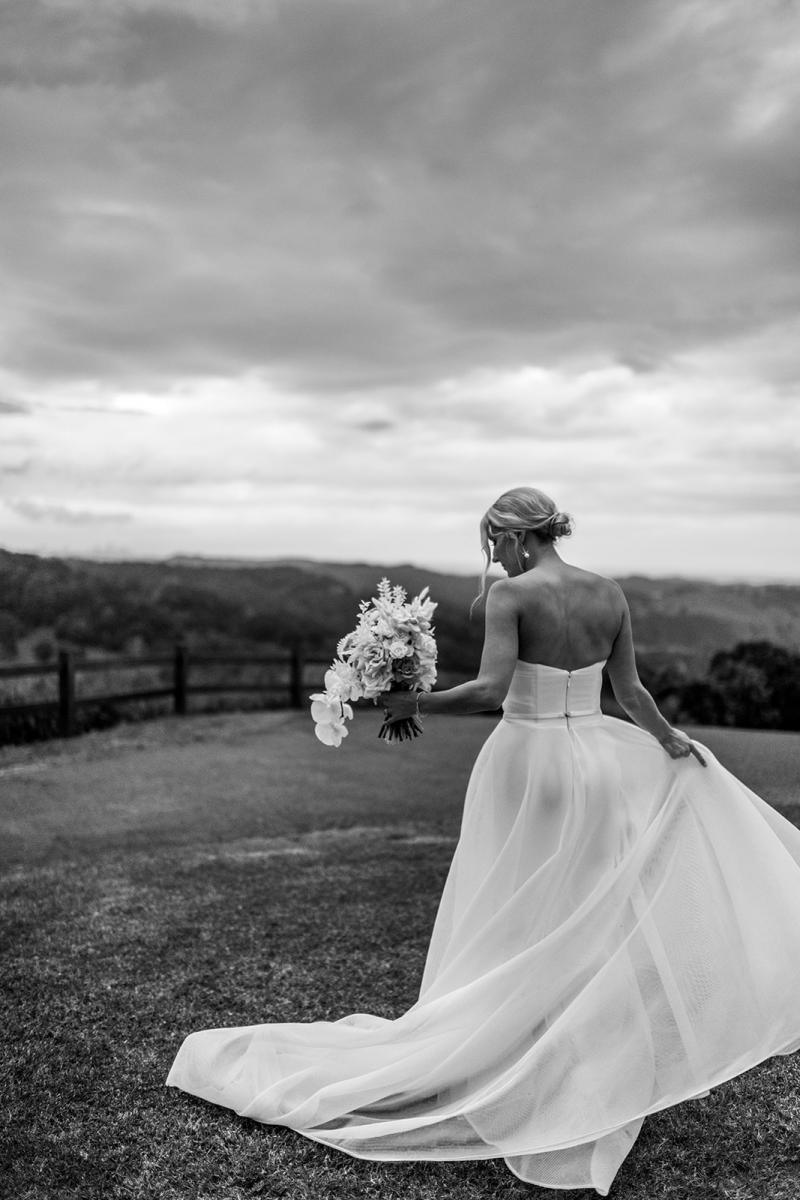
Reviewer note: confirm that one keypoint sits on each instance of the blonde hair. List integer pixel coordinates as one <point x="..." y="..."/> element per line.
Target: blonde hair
<point x="521" y="510"/>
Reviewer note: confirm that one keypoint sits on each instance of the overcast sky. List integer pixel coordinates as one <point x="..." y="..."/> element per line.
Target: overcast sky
<point x="323" y="277"/>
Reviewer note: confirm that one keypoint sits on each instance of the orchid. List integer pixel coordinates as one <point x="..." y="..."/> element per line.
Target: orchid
<point x="329" y="716"/>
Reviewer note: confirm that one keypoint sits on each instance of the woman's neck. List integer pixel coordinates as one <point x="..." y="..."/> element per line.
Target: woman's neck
<point x="540" y="553"/>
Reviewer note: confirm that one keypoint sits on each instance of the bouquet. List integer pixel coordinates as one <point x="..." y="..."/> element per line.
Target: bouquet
<point x="392" y="646"/>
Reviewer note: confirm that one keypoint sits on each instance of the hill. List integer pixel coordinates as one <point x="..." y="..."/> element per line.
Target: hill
<point x="222" y="604"/>
<point x="675" y="619"/>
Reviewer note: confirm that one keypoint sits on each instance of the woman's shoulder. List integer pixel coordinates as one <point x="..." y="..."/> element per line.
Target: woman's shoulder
<point x="576" y="580"/>
<point x="585" y="590"/>
<point x="569" y="577"/>
<point x="590" y="576"/>
<point x="599" y="588"/>
<point x="601" y="583"/>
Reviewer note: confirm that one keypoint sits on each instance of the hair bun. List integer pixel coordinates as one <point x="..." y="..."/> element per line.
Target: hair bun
<point x="559" y="525"/>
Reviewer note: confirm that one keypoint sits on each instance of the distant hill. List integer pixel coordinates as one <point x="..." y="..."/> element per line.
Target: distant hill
<point x="689" y="620"/>
<point x="673" y="616"/>
<point x="674" y="619"/>
<point x="361" y="578"/>
<point x="221" y="604"/>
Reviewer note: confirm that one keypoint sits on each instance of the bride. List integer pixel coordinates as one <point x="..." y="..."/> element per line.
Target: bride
<point x="619" y="930"/>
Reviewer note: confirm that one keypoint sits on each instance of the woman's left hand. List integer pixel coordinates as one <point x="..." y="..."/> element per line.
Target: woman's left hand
<point x="398" y="705"/>
<point x="679" y="745"/>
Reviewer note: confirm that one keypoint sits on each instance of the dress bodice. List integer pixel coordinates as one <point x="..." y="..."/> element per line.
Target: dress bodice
<point x="538" y="691"/>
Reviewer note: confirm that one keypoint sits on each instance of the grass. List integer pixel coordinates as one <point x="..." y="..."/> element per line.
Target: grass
<point x="227" y="870"/>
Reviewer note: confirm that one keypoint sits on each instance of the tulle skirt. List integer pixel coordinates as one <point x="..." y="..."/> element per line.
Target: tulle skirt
<point x="619" y="932"/>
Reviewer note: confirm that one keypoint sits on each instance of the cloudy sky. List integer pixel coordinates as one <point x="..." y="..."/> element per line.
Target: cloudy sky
<point x="323" y="277"/>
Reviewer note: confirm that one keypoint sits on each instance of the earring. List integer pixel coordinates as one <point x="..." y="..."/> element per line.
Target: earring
<point x="525" y="553"/>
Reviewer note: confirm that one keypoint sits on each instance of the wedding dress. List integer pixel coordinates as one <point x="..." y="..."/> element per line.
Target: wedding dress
<point x="619" y="932"/>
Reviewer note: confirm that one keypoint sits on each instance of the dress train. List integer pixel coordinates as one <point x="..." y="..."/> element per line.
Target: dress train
<point x="618" y="932"/>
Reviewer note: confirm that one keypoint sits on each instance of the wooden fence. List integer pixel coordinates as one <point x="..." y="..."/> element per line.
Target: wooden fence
<point x="179" y="665"/>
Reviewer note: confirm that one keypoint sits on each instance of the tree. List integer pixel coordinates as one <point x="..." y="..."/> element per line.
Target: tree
<point x="43" y="650"/>
<point x="755" y="685"/>
<point x="11" y="628"/>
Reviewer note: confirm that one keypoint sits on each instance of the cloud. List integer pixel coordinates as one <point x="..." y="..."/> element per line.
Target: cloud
<point x="33" y="510"/>
<point x="279" y="266"/>
<point x="17" y="468"/>
<point x="313" y="190"/>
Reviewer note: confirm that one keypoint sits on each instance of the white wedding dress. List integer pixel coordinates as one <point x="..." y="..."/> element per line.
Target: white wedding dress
<point x="619" y="931"/>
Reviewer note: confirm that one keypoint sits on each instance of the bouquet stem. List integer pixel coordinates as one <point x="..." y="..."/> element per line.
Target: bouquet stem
<point x="400" y="731"/>
<point x="406" y="728"/>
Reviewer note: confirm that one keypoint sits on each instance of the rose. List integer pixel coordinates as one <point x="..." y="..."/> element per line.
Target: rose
<point x="425" y="644"/>
<point x="400" y="649"/>
<point x="376" y="680"/>
<point x="372" y="654"/>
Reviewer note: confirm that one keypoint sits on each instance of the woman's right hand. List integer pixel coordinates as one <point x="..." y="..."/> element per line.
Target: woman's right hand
<point x="679" y="745"/>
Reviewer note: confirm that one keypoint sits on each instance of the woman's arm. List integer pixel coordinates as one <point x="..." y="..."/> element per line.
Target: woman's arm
<point x="634" y="697"/>
<point x="488" y="690"/>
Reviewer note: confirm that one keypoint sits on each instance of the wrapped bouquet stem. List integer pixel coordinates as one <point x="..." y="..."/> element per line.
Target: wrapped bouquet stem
<point x="391" y="648"/>
<point x="404" y="728"/>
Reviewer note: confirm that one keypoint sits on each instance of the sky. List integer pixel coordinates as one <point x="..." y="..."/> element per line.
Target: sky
<point x="322" y="278"/>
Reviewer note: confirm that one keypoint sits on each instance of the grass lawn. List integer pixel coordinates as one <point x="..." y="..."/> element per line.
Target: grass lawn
<point x="229" y="870"/>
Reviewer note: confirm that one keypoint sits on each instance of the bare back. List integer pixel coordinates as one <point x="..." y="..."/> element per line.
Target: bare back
<point x="567" y="617"/>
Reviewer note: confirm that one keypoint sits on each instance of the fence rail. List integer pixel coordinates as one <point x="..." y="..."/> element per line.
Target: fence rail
<point x="180" y="663"/>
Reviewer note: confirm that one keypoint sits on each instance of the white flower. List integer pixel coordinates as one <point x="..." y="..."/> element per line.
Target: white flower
<point x="341" y="681"/>
<point x="426" y="678"/>
<point x="329" y="715"/>
<point x="329" y="710"/>
<point x="331" y="735"/>
<point x="400" y="649"/>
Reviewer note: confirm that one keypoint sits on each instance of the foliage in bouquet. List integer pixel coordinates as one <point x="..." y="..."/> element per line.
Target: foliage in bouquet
<point x="392" y="646"/>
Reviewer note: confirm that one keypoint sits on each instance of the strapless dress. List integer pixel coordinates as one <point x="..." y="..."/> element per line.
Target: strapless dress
<point x="619" y="932"/>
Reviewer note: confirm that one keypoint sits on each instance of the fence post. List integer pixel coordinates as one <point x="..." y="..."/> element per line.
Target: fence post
<point x="181" y="670"/>
<point x="296" y="677"/>
<point x="66" y="694"/>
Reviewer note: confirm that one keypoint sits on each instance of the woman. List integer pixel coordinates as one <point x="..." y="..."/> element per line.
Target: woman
<point x="619" y="930"/>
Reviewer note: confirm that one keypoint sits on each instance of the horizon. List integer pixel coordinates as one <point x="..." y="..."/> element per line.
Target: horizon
<point x="234" y="561"/>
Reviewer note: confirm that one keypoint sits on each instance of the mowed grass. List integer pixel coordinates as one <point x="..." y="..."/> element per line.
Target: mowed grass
<point x="228" y="871"/>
